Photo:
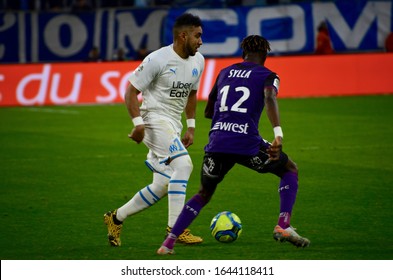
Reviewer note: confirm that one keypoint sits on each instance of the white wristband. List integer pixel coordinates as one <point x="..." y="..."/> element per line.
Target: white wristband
<point x="137" y="121"/>
<point x="191" y="123"/>
<point x="278" y="131"/>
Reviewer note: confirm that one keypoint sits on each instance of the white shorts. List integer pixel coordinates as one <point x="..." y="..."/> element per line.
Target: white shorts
<point x="162" y="137"/>
<point x="153" y="163"/>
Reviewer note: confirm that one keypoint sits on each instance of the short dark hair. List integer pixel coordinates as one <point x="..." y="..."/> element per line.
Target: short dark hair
<point x="255" y="44"/>
<point x="187" y="19"/>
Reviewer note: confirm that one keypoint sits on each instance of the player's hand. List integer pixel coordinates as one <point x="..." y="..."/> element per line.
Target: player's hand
<point x="188" y="138"/>
<point x="138" y="133"/>
<point x="274" y="150"/>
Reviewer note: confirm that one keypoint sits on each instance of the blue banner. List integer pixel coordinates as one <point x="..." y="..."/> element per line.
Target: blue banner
<point x="354" y="26"/>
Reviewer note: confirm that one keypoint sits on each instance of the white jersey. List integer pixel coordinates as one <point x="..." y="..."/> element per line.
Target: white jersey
<point x="166" y="80"/>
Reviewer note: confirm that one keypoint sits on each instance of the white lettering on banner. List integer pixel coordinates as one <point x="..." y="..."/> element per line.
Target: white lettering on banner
<point x="39" y="98"/>
<point x="52" y="35"/>
<point x="35" y="41"/>
<point x="72" y="97"/>
<point x="108" y="86"/>
<point x="124" y="84"/>
<point x="97" y="29"/>
<point x="111" y="88"/>
<point x="352" y="38"/>
<point x="110" y="29"/>
<point x="110" y="34"/>
<point x="129" y="30"/>
<point x="229" y="16"/>
<point x="44" y="79"/>
<point x="256" y="17"/>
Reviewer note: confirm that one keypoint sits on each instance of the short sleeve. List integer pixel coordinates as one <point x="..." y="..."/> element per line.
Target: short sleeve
<point x="273" y="80"/>
<point x="145" y="73"/>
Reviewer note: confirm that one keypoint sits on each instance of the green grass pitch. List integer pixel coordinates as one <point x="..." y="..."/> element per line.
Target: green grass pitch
<point x="62" y="168"/>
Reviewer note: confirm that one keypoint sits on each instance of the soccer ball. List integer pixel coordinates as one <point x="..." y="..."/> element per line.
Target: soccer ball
<point x="226" y="227"/>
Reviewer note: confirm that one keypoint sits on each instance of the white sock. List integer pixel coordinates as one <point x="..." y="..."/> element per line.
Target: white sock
<point x="145" y="198"/>
<point x="182" y="168"/>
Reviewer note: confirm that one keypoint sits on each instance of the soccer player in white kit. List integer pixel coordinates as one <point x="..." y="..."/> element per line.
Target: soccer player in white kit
<point x="168" y="79"/>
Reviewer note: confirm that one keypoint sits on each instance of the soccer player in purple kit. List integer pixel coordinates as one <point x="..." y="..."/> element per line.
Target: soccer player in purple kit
<point x="235" y="105"/>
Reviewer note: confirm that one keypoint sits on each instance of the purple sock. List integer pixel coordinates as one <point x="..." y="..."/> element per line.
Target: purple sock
<point x="288" y="190"/>
<point x="284" y="220"/>
<point x="169" y="241"/>
<point x="190" y="211"/>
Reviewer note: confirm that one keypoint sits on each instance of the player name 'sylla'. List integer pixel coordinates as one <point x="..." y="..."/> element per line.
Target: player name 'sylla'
<point x="239" y="73"/>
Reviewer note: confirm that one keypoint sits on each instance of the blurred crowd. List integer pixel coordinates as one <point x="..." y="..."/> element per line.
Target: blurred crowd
<point x="323" y="40"/>
<point x="119" y="54"/>
<point x="88" y="5"/>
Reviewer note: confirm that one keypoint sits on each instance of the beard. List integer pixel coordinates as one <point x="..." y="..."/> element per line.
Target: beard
<point x="190" y="50"/>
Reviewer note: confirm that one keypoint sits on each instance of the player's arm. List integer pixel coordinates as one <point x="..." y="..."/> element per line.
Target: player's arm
<point x="272" y="112"/>
<point x="132" y="104"/>
<point x="209" y="109"/>
<point x="271" y="105"/>
<point x="190" y="111"/>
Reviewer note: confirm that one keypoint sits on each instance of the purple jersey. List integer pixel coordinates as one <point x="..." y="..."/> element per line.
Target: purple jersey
<point x="238" y="96"/>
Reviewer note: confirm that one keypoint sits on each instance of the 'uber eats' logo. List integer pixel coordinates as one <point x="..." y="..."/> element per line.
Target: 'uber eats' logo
<point x="180" y="89"/>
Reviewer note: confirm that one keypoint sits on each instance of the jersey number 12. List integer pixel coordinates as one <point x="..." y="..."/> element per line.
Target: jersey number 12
<point x="237" y="106"/>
